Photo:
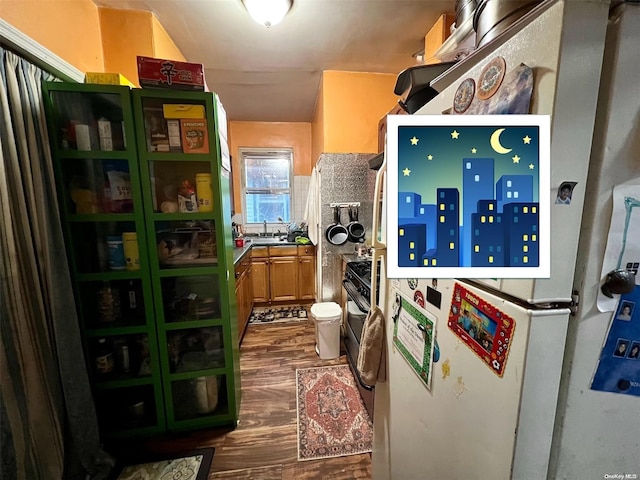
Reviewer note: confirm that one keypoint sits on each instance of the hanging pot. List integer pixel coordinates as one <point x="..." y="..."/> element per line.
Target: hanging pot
<point x="355" y="228"/>
<point x="337" y="233"/>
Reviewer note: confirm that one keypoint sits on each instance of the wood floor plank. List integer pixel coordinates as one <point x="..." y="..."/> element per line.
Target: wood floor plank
<point x="263" y="446"/>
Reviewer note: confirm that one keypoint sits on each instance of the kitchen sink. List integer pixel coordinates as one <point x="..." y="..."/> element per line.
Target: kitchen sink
<point x="269" y="241"/>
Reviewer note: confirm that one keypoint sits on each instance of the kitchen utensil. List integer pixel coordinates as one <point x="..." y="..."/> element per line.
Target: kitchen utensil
<point x="337" y="233"/>
<point x="355" y="229"/>
<point x="413" y="85"/>
<point x="493" y="17"/>
<point x="291" y="236"/>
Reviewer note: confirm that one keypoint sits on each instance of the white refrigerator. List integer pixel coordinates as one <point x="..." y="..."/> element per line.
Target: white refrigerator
<point x="528" y="413"/>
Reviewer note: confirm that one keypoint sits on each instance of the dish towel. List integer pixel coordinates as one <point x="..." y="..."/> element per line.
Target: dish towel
<point x="371" y="364"/>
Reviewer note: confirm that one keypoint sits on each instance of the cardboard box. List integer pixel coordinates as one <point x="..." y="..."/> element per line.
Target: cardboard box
<point x="158" y="72"/>
<point x="435" y="37"/>
<point x="107" y="79"/>
<point x="182" y="111"/>
<point x="156" y="130"/>
<point x="173" y="127"/>
<point x="104" y="134"/>
<point x="195" y="137"/>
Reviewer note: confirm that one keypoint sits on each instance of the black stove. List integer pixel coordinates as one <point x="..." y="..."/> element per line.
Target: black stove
<point x="357" y="284"/>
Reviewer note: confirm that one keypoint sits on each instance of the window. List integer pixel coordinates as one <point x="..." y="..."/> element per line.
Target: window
<point x="267" y="185"/>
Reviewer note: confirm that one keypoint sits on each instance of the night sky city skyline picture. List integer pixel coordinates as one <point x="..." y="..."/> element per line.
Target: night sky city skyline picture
<point x="464" y="196"/>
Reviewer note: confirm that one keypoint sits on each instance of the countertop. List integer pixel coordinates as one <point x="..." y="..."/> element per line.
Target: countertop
<point x="240" y="252"/>
<point x="353" y="257"/>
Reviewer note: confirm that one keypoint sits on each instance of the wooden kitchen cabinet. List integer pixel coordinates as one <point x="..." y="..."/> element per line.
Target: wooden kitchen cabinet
<point x="284" y="278"/>
<point x="244" y="294"/>
<point x="283" y="273"/>
<point x="306" y="272"/>
<point x="260" y="274"/>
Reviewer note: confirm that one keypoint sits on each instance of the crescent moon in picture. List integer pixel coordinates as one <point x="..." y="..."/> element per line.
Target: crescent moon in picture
<point x="495" y="142"/>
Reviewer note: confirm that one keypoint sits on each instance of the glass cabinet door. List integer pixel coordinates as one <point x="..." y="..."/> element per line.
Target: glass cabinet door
<point x="92" y="139"/>
<point x="180" y="167"/>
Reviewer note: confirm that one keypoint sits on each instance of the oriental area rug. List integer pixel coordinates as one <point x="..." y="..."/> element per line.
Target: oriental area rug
<point x="332" y="420"/>
<point x="191" y="465"/>
<point x="288" y="313"/>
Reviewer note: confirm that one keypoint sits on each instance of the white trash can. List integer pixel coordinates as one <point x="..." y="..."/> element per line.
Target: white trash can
<point x="327" y="317"/>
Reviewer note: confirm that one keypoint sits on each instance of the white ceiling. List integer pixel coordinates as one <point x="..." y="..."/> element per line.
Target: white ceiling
<point x="273" y="74"/>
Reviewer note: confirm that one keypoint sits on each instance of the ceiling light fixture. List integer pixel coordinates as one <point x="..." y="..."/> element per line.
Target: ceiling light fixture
<point x="267" y="12"/>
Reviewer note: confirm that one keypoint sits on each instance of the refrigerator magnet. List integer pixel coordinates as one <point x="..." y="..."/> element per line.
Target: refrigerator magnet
<point x="418" y="297"/>
<point x="618" y="369"/>
<point x="464" y="95"/>
<point x="565" y="191"/>
<point x="491" y="78"/>
<point x="485" y="329"/>
<point x="413" y="336"/>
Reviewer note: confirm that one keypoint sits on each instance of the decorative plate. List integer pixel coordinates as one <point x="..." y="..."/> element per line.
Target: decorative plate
<point x="491" y="78"/>
<point x="464" y="95"/>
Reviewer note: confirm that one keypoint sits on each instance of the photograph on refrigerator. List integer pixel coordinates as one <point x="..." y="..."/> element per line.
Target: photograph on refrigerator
<point x="482" y="327"/>
<point x="618" y="368"/>
<point x="468" y="196"/>
<point x="413" y="335"/>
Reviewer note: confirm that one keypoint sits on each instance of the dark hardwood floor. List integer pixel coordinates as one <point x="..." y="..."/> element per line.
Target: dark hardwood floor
<point x="263" y="446"/>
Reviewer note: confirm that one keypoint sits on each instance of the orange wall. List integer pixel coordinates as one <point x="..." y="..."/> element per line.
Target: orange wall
<point x="295" y="135"/>
<point x="125" y="34"/>
<point x="317" y="127"/>
<point x="91" y="39"/>
<point x="129" y="33"/>
<point x="70" y="29"/>
<point x="163" y="46"/>
<point x="353" y="104"/>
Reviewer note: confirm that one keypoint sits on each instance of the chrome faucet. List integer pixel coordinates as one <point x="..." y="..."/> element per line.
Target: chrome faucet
<point x="265" y="226"/>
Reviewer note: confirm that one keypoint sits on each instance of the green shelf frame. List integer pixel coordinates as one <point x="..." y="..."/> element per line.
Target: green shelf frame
<point x="222" y="269"/>
<point x="150" y="275"/>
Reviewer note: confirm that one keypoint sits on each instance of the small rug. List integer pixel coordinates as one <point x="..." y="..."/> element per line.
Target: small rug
<point x="191" y="465"/>
<point x="332" y="420"/>
<point x="288" y="313"/>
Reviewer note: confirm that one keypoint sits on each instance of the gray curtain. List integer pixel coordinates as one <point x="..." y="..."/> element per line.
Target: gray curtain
<point x="48" y="423"/>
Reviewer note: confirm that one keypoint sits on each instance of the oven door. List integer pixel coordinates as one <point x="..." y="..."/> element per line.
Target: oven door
<point x="355" y="322"/>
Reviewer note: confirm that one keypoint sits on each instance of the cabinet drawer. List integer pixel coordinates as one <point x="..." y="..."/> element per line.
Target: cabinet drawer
<point x="259" y="252"/>
<point x="284" y="251"/>
<point x="306" y="250"/>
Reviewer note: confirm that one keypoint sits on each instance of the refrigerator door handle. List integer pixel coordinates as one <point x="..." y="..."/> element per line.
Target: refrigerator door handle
<point x="378" y="255"/>
<point x="378" y="235"/>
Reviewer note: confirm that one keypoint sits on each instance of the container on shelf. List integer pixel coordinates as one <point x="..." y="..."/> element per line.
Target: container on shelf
<point x="131" y="252"/>
<point x="116" y="253"/>
<point x="204" y="192"/>
<point x="104" y="357"/>
<point x="108" y="303"/>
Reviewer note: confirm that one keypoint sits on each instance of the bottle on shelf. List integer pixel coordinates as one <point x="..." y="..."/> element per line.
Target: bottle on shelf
<point x="131" y="253"/>
<point x="204" y="192"/>
<point x="104" y="362"/>
<point x="108" y="303"/>
<point x="133" y="302"/>
<point x="121" y="352"/>
<point x="116" y="253"/>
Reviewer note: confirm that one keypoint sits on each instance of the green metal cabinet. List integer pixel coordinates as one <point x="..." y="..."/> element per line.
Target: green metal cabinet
<point x="152" y="276"/>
